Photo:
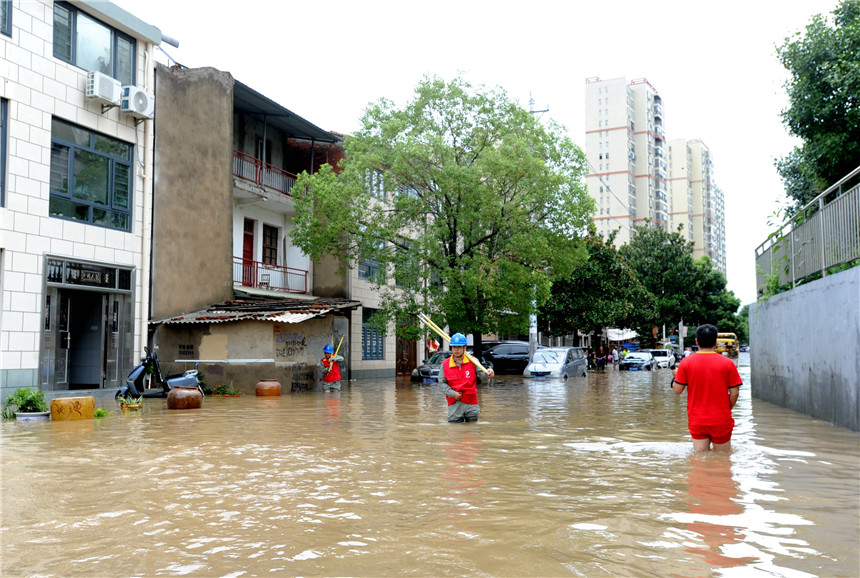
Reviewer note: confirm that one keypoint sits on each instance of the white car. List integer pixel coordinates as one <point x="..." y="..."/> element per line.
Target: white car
<point x="664" y="357"/>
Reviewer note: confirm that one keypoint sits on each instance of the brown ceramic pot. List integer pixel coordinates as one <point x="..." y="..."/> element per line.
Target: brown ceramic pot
<point x="184" y="398"/>
<point x="268" y="387"/>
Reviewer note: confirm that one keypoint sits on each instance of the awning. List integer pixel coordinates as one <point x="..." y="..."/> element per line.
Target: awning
<point x="280" y="311"/>
<point x="266" y="110"/>
<point x="620" y="334"/>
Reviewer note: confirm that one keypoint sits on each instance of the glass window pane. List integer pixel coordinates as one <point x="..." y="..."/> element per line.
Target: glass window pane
<point x="121" y="186"/>
<point x="110" y="219"/>
<point x="62" y="32"/>
<point x="93" y="45"/>
<point x="59" y="169"/>
<point x="92" y="176"/>
<point x="69" y="209"/>
<point x="67" y="132"/>
<point x="124" y="60"/>
<point x="113" y="147"/>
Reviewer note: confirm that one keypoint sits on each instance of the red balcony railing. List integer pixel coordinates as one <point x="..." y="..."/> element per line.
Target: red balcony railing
<point x="254" y="170"/>
<point x="255" y="274"/>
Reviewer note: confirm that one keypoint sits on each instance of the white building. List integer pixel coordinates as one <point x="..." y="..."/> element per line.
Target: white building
<point x="75" y="189"/>
<point x="634" y="174"/>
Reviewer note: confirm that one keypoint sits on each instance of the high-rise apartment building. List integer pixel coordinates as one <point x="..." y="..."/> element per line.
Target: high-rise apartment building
<point x="636" y="176"/>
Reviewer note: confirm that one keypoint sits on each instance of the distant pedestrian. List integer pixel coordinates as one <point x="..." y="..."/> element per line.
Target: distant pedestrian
<point x="458" y="379"/>
<point x="712" y="383"/>
<point x="614" y="356"/>
<point x="329" y="367"/>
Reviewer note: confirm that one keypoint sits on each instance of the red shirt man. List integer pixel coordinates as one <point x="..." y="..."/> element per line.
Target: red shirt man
<point x="712" y="383"/>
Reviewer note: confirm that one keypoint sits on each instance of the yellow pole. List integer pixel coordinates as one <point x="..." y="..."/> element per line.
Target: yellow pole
<point x="426" y="320"/>
<point x="338" y="345"/>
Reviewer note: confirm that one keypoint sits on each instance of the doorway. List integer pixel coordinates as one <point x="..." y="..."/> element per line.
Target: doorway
<point x="406" y="356"/>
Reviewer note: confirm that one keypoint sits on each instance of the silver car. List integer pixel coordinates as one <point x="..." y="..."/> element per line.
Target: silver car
<point x="557" y="363"/>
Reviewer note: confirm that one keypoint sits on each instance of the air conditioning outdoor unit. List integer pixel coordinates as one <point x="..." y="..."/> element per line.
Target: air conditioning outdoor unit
<point x="103" y="88"/>
<point x="137" y="102"/>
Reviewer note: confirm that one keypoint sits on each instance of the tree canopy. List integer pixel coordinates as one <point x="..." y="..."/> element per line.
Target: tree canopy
<point x="824" y="111"/>
<point x="460" y="204"/>
<point x="602" y="292"/>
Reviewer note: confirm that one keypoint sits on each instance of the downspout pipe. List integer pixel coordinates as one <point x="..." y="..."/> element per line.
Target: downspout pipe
<point x="148" y="204"/>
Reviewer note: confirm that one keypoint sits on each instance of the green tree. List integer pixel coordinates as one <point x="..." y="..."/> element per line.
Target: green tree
<point x="743" y="329"/>
<point x="602" y="292"/>
<point x="465" y="205"/>
<point x="716" y="305"/>
<point x="823" y="92"/>
<point x="663" y="263"/>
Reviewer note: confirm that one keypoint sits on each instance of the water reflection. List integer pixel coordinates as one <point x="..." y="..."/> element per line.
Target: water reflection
<point x="594" y="477"/>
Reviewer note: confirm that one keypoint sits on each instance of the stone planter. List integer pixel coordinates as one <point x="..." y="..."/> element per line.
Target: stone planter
<point x="184" y="398"/>
<point x="66" y="408"/>
<point x="27" y="416"/>
<point x="266" y="387"/>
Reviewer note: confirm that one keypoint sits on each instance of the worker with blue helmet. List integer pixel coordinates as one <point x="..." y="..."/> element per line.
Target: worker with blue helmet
<point x="459" y="378"/>
<point x="329" y="368"/>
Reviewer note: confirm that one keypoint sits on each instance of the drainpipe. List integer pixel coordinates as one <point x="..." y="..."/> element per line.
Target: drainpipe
<point x="148" y="202"/>
<point x="313" y="144"/>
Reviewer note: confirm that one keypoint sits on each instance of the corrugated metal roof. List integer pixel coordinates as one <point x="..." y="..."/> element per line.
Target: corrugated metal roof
<point x="281" y="311"/>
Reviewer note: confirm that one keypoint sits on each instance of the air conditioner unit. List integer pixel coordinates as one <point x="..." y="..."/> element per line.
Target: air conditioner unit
<point x="137" y="102"/>
<point x="103" y="88"/>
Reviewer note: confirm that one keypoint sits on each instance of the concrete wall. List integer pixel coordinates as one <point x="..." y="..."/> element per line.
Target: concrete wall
<point x="295" y="349"/>
<point x="193" y="209"/>
<point x="804" y="347"/>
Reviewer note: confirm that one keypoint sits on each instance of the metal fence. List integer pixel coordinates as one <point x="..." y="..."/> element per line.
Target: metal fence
<point x="823" y="234"/>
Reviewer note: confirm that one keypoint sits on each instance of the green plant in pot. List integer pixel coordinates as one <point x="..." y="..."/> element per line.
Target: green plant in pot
<point x="24" y="400"/>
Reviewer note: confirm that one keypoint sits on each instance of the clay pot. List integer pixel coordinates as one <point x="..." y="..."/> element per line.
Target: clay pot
<point x="63" y="408"/>
<point x="268" y="387"/>
<point x="184" y="398"/>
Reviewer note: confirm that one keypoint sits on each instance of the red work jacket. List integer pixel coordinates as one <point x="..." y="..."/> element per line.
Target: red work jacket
<point x="334" y="374"/>
<point x="462" y="378"/>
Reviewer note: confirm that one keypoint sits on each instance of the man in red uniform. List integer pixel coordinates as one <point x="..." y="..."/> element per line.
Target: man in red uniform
<point x="459" y="380"/>
<point x="712" y="382"/>
<point x="330" y="369"/>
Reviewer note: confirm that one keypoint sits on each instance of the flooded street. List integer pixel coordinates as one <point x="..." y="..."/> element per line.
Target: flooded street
<point x="593" y="477"/>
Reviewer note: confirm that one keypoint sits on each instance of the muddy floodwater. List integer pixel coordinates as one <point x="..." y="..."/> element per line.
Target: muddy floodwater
<point x="592" y="477"/>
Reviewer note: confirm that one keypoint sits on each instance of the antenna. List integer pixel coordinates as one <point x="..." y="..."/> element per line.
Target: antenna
<point x="532" y="105"/>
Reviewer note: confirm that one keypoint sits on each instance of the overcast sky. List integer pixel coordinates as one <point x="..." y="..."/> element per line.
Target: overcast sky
<point x="713" y="63"/>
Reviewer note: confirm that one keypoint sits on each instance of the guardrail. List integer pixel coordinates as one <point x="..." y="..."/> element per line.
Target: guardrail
<point x="248" y="273"/>
<point x="254" y="170"/>
<point x="823" y="234"/>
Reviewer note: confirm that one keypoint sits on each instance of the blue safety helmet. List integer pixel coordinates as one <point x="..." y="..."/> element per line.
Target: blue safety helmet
<point x="328" y="349"/>
<point x="458" y="340"/>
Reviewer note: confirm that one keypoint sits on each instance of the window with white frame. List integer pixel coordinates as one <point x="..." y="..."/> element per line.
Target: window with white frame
<point x="90" y="44"/>
<point x="91" y="177"/>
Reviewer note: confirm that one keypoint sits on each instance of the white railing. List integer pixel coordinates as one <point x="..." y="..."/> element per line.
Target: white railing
<point x="810" y="244"/>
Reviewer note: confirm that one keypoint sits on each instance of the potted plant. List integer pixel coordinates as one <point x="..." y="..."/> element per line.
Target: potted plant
<point x="29" y="405"/>
<point x="129" y="402"/>
<point x="227" y="391"/>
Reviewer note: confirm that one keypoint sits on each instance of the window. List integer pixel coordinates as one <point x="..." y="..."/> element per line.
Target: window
<point x="3" y="118"/>
<point x="6" y="17"/>
<point x="375" y="184"/>
<point x="406" y="264"/>
<point x="92" y="45"/>
<point x="91" y="177"/>
<point x="370" y="269"/>
<point x="270" y="245"/>
<point x="372" y="342"/>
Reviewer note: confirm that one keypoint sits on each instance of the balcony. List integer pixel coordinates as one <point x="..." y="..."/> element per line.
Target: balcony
<point x="258" y="275"/>
<point x="254" y="170"/>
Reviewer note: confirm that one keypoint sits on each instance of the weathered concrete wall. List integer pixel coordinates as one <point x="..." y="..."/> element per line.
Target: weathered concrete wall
<point x="192" y="240"/>
<point x="804" y="346"/>
<point x="295" y="349"/>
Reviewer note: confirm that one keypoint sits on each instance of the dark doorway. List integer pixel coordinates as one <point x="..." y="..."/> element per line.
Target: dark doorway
<point x="85" y="338"/>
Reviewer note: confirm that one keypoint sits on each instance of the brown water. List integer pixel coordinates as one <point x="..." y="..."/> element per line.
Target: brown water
<point x="591" y="478"/>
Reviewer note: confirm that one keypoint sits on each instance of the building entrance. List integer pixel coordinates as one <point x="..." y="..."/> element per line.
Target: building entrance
<point x="88" y="326"/>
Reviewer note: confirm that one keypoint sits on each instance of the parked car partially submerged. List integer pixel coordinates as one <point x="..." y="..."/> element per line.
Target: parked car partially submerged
<point x="510" y="357"/>
<point x="428" y="371"/>
<point x="664" y="357"/>
<point x="638" y="361"/>
<point x="557" y="363"/>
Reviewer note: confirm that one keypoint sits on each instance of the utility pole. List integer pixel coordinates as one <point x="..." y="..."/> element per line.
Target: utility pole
<point x="533" y="335"/>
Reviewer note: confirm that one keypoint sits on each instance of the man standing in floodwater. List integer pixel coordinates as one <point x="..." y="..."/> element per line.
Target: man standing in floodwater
<point x="459" y="378"/>
<point x="712" y="383"/>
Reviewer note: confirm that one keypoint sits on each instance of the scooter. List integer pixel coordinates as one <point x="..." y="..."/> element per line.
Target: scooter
<point x="135" y="386"/>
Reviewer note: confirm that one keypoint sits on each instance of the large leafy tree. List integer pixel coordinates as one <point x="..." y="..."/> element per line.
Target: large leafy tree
<point x="602" y="292"/>
<point x="824" y="102"/>
<point x="716" y="305"/>
<point x="663" y="263"/>
<point x="464" y="205"/>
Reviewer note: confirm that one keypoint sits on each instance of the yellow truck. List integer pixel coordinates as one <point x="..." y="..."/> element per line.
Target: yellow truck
<point x="728" y="343"/>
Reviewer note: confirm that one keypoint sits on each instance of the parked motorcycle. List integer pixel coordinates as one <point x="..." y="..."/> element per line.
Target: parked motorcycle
<point x="135" y="383"/>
